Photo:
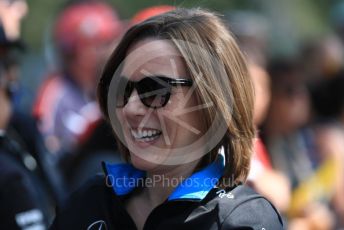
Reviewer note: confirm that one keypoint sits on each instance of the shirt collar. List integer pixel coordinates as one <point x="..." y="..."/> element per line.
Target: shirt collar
<point x="124" y="178"/>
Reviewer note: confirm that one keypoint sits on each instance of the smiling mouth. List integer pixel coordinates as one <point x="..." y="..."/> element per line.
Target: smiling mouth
<point x="145" y="135"/>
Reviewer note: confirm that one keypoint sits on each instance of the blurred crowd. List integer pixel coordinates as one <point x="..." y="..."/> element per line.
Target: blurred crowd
<point x="46" y="153"/>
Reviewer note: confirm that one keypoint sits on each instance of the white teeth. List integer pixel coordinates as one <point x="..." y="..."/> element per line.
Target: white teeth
<point x="145" y="135"/>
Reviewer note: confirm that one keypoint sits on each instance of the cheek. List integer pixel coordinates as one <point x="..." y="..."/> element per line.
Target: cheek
<point x="196" y="122"/>
<point x="181" y="125"/>
<point x="195" y="118"/>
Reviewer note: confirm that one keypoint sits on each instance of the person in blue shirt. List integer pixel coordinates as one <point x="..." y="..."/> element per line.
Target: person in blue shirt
<point x="177" y="93"/>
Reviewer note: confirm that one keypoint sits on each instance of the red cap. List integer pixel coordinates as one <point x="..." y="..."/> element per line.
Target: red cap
<point x="86" y="24"/>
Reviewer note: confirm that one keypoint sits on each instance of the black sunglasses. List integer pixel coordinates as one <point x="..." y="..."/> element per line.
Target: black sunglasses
<point x="154" y="91"/>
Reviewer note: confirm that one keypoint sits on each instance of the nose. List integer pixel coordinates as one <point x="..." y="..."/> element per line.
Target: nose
<point x="134" y="106"/>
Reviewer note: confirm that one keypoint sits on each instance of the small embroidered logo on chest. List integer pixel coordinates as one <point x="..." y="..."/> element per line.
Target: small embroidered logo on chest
<point x="222" y="193"/>
<point x="98" y="225"/>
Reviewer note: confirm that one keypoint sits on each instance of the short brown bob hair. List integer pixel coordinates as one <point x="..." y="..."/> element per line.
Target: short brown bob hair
<point x="233" y="97"/>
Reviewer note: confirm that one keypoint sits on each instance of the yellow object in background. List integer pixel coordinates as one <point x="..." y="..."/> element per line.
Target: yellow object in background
<point x="318" y="187"/>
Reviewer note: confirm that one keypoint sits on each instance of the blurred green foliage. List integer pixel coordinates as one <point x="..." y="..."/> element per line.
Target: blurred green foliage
<point x="296" y="18"/>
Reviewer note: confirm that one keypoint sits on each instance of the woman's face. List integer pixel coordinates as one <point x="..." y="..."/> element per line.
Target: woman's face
<point x="153" y="135"/>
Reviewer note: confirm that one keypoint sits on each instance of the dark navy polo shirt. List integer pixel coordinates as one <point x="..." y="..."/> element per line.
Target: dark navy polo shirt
<point x="196" y="203"/>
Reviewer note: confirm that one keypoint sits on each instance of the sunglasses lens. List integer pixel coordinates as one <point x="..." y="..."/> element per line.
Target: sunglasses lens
<point x="154" y="92"/>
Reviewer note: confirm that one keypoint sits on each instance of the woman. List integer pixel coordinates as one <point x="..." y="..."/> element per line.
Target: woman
<point x="177" y="93"/>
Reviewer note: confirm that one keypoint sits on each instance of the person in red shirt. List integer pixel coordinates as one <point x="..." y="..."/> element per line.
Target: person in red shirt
<point x="65" y="105"/>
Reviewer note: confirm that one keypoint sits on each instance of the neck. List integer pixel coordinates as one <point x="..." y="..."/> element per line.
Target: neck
<point x="165" y="181"/>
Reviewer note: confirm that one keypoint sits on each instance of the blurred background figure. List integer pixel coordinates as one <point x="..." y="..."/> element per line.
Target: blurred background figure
<point x="265" y="179"/>
<point x="26" y="188"/>
<point x="11" y="15"/>
<point x="65" y="107"/>
<point x="295" y="149"/>
<point x="328" y="102"/>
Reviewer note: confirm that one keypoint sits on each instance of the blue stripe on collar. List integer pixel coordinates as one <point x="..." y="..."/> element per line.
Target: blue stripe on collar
<point x="199" y="184"/>
<point x="124" y="178"/>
